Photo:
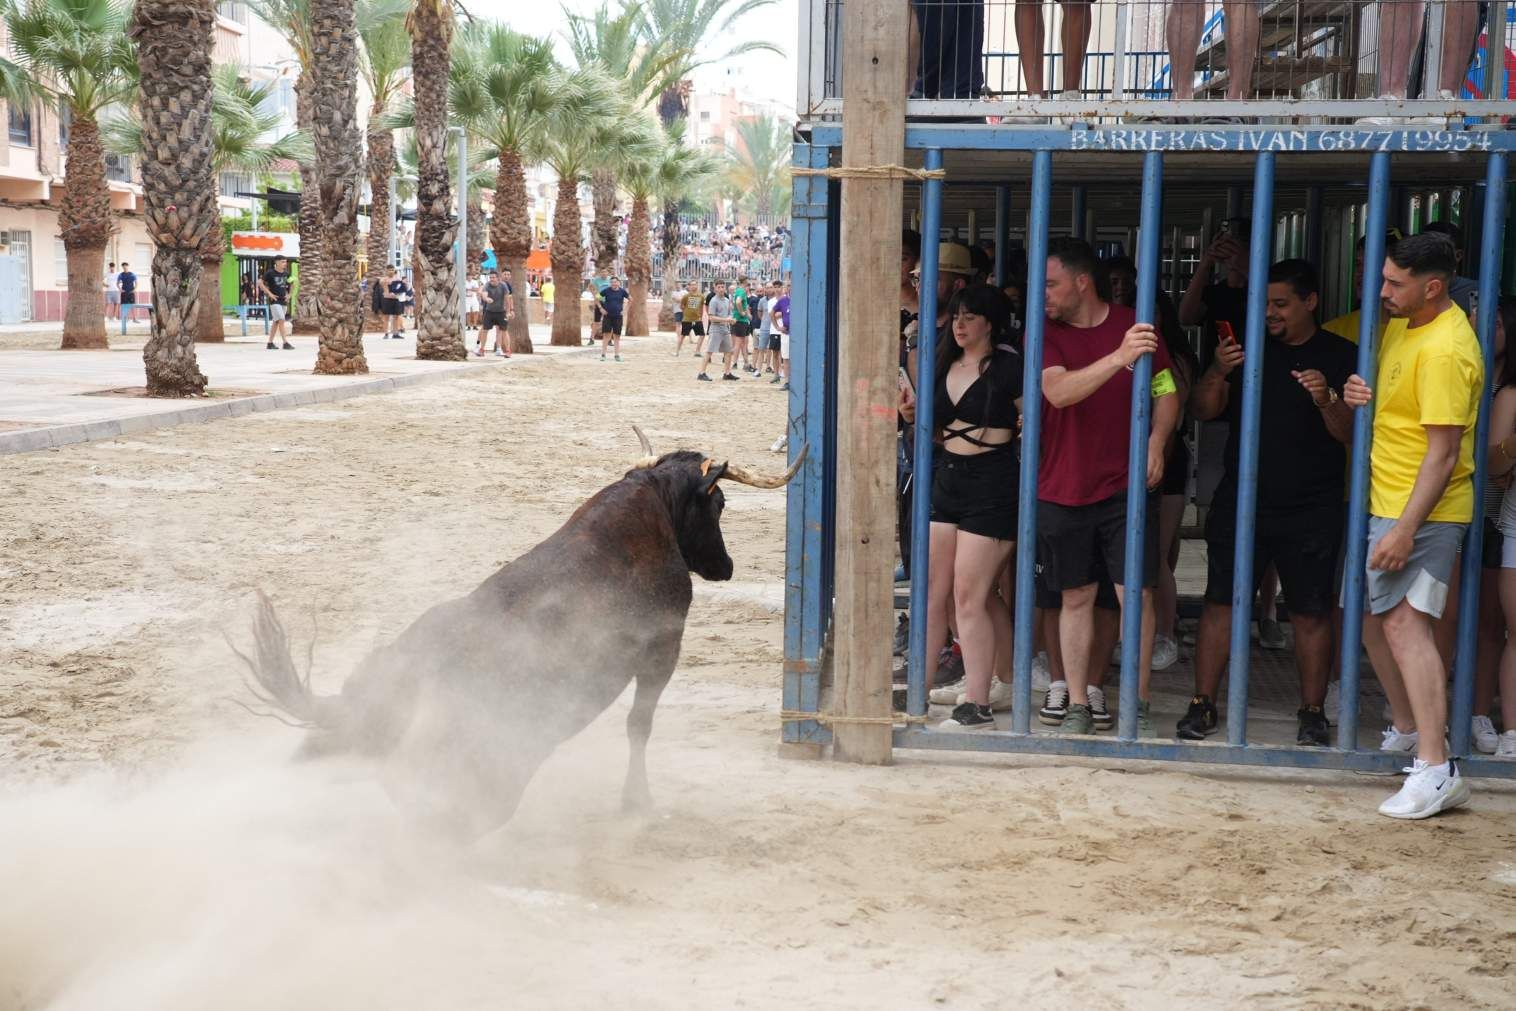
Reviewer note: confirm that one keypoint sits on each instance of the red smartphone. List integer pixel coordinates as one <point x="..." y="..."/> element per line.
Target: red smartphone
<point x="1224" y="330"/>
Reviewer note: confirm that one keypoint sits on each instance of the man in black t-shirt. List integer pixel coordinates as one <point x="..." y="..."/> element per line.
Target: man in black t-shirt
<point x="275" y="286"/>
<point x="126" y="284"/>
<point x="613" y="302"/>
<point x="1303" y="431"/>
<point x="492" y="298"/>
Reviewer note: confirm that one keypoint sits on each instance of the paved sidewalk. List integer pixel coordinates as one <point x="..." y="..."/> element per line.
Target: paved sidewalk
<point x="45" y="396"/>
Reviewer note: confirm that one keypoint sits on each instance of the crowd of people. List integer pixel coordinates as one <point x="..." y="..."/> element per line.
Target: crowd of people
<point x="1430" y="382"/>
<point x="708" y="251"/>
<point x="948" y="46"/>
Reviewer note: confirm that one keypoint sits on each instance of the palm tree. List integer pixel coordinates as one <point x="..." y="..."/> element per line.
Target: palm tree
<point x="505" y="88"/>
<point x="664" y="168"/>
<point x="292" y="19"/>
<point x="333" y="75"/>
<point x="173" y="39"/>
<point x="383" y="61"/>
<point x="74" y="56"/>
<point x="615" y="44"/>
<point x="481" y="176"/>
<point x="759" y="167"/>
<point x="439" y="331"/>
<point x="696" y="31"/>
<point x="240" y="121"/>
<point x="589" y="117"/>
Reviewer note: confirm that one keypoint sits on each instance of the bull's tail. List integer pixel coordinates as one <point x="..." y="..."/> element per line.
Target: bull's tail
<point x="278" y="685"/>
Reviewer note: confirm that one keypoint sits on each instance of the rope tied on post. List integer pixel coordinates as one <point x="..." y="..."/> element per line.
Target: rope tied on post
<point x="871" y="172"/>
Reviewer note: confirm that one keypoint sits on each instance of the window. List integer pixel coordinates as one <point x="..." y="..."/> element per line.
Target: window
<point x="705" y="117"/>
<point x="20" y="124"/>
<point x="233" y="12"/>
<point x="64" y="120"/>
<point x="60" y="264"/>
<point x="233" y="183"/>
<point x="118" y="168"/>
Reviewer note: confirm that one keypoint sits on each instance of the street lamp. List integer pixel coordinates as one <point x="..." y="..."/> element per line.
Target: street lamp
<point x="394" y="219"/>
<point x="460" y="251"/>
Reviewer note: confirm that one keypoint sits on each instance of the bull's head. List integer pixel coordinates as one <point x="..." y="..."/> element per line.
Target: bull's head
<point x="696" y="501"/>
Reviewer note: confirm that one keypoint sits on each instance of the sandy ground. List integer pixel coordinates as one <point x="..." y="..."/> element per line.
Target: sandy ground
<point x="159" y="850"/>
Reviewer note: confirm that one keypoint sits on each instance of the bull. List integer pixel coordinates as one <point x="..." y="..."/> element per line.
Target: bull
<point x="466" y="703"/>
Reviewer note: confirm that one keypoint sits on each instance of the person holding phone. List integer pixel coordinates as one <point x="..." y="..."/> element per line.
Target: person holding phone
<point x="1303" y="433"/>
<point x="1211" y="303"/>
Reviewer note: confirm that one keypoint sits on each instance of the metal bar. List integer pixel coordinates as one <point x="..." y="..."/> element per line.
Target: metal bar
<point x="920" y="651"/>
<point x="1031" y="438"/>
<point x="394" y="222"/>
<point x="803" y="590"/>
<point x="460" y="260"/>
<point x="1313" y="225"/>
<point x="1002" y="232"/>
<point x="1148" y="266"/>
<point x="1247" y="463"/>
<point x="1077" y="204"/>
<point x="1431" y="74"/>
<point x="1005" y="742"/>
<point x="1176" y="245"/>
<point x="1198" y="110"/>
<point x="1497" y="59"/>
<point x="1492" y="245"/>
<point x="1118" y="58"/>
<point x="1363" y="427"/>
<point x="1234" y="201"/>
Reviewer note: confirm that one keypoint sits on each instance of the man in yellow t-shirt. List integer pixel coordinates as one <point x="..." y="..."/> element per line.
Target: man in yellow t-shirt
<point x="549" y="289"/>
<point x="1431" y="377"/>
<point x="692" y="320"/>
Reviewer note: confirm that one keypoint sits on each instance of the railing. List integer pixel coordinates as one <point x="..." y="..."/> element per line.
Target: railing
<point x="1318" y="60"/>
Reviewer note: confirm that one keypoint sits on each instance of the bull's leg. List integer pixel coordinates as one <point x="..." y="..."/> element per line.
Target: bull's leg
<point x="635" y="795"/>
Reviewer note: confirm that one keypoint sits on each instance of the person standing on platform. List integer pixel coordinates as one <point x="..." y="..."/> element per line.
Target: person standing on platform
<point x="1431" y="378"/>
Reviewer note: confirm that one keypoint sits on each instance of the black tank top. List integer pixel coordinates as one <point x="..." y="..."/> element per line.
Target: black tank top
<point x="989" y="402"/>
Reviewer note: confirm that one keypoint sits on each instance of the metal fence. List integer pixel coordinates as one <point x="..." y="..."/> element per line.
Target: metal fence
<point x="1351" y="192"/>
<point x="1293" y="58"/>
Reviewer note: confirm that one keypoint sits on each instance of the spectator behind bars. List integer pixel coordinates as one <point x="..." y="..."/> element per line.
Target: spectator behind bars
<point x="1030" y="33"/>
<point x="1091" y="346"/>
<point x="1303" y="429"/>
<point x="1222" y="304"/>
<point x="1183" y="27"/>
<point x="950" y="37"/>
<point x="1464" y="290"/>
<point x="1431" y="376"/>
<point x="1346" y="325"/>
<point x="1400" y="31"/>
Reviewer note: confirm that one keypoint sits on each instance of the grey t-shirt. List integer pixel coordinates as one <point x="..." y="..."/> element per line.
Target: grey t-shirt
<point x="720" y="305"/>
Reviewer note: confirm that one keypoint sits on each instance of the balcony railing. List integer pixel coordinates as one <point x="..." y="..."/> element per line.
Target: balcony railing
<point x="1304" y="60"/>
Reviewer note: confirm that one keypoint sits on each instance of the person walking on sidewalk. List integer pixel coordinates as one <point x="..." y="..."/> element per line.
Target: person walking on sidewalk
<point x="1421" y="489"/>
<point x="493" y="298"/>
<point x="275" y="286"/>
<point x="692" y="312"/>
<point x="719" y="318"/>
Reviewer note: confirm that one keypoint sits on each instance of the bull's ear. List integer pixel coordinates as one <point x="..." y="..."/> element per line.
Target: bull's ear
<point x="711" y="472"/>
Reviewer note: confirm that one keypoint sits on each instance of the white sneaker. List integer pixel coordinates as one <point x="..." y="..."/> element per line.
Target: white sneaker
<point x="780" y="444"/>
<point x="1165" y="652"/>
<point x="1506" y="749"/>
<point x="1000" y="695"/>
<point x="1485" y="738"/>
<point x="1394" y="740"/>
<point x="1042" y="675"/>
<point x="946" y="696"/>
<point x="1427" y="790"/>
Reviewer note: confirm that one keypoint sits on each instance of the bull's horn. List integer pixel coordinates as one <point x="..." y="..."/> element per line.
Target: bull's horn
<point x="741" y="475"/>
<point x="647" y="447"/>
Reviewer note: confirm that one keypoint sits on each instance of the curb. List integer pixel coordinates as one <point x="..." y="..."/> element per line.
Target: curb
<point x="54" y="437"/>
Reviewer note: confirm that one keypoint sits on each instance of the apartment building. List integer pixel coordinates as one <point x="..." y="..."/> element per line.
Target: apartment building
<point x="32" y="151"/>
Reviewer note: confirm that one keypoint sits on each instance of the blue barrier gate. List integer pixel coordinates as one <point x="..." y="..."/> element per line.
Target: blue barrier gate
<point x="812" y="422"/>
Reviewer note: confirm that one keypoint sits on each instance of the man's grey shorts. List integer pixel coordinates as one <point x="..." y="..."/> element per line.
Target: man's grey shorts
<point x="275" y="312"/>
<point x="1428" y="572"/>
<point x="721" y="340"/>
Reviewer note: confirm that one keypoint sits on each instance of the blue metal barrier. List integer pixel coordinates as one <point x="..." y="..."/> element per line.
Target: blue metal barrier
<point x="809" y="585"/>
<point x="1260" y="255"/>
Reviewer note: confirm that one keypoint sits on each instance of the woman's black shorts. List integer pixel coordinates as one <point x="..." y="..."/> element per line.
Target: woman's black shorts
<point x="978" y="494"/>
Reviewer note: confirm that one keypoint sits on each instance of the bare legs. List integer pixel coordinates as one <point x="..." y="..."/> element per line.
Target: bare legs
<point x="981" y="616"/>
<point x="1404" y="652"/>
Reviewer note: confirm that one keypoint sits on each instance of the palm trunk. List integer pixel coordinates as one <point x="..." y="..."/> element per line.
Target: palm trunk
<point x="639" y="268"/>
<point x="308" y="286"/>
<point x="381" y="166"/>
<point x="85" y="220"/>
<point x="211" y="328"/>
<point x="476" y="237"/>
<point x="339" y="152"/>
<point x="603" y="193"/>
<point x="173" y="39"/>
<point x="673" y="105"/>
<point x="439" y="329"/>
<point x="511" y="237"/>
<point x="567" y="254"/>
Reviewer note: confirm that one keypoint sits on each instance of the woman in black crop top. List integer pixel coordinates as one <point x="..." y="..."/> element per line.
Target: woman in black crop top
<point x="977" y="418"/>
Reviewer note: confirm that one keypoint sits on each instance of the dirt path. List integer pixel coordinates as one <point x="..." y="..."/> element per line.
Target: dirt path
<point x="157" y="849"/>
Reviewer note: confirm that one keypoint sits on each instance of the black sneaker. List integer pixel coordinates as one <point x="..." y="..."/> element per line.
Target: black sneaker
<point x="288" y="346"/>
<point x="729" y="376"/>
<point x="1199" y="721"/>
<point x="969" y="716"/>
<point x="902" y="635"/>
<point x="1315" y="731"/>
<point x="1055" y="706"/>
<point x="703" y="378"/>
<point x="271" y="346"/>
<point x="949" y="668"/>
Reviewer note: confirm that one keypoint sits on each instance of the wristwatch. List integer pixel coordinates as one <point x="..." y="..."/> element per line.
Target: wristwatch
<point x="1332" y="398"/>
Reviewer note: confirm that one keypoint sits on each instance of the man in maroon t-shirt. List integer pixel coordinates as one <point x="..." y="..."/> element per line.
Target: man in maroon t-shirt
<point x="1089" y="348"/>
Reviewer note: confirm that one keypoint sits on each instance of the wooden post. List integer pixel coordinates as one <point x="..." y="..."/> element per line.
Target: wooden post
<point x="873" y="53"/>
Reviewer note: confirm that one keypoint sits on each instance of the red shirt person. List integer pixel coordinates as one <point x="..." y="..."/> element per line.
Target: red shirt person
<point x="1090" y="346"/>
